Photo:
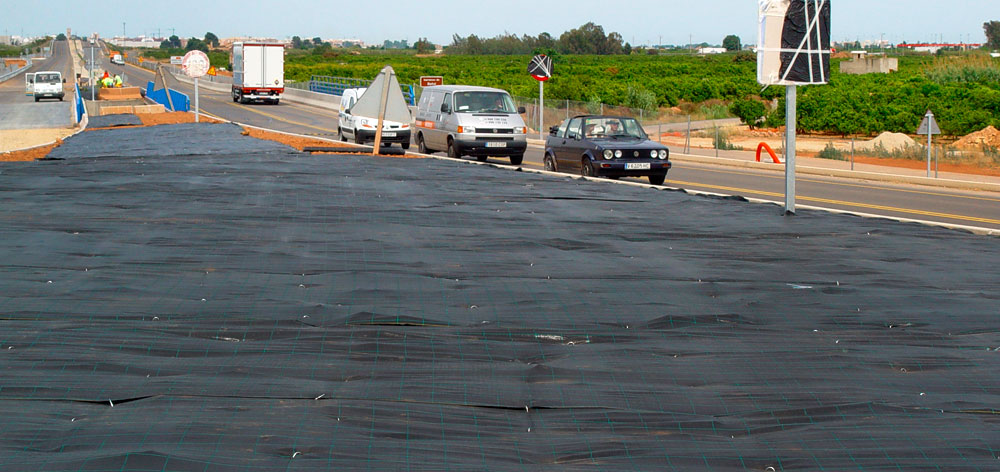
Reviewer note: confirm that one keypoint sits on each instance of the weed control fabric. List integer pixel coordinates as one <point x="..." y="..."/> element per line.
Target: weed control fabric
<point x="274" y="310"/>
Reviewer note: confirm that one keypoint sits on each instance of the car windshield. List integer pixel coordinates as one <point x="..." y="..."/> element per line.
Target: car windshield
<point x="47" y="78"/>
<point x="484" y="102"/>
<point x="612" y="127"/>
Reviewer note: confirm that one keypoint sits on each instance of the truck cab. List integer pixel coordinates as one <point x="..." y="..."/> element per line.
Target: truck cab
<point x="49" y="84"/>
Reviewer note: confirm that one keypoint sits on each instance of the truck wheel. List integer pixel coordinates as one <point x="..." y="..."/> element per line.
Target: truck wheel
<point x="275" y="101"/>
<point x="517" y="159"/>
<point x="36" y="99"/>
<point x="236" y="98"/>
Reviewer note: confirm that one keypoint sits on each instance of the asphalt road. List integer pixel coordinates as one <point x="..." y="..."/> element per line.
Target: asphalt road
<point x="946" y="206"/>
<point x="20" y="111"/>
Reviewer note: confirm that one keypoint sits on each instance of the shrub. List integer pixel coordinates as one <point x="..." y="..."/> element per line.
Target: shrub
<point x="830" y="152"/>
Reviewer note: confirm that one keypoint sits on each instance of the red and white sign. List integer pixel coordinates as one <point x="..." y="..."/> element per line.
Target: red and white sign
<point x="431" y="80"/>
<point x="176" y="60"/>
<point x="195" y="64"/>
<point x="540" y="67"/>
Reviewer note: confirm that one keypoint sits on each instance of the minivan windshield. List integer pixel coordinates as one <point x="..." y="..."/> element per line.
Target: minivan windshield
<point x="484" y="102"/>
<point x="47" y="78"/>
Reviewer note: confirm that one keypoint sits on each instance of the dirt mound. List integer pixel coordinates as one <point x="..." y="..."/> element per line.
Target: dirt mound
<point x="889" y="142"/>
<point x="988" y="136"/>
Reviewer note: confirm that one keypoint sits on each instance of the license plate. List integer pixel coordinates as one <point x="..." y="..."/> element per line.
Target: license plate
<point x="389" y="134"/>
<point x="496" y="144"/>
<point x="636" y="165"/>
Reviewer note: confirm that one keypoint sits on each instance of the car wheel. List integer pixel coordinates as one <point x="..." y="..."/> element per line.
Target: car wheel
<point x="452" y="152"/>
<point x="550" y="163"/>
<point x="657" y="179"/>
<point x="421" y="145"/>
<point x="587" y="169"/>
<point x="517" y="159"/>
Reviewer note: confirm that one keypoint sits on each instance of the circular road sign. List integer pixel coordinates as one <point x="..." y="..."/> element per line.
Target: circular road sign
<point x="195" y="64"/>
<point x="540" y="67"/>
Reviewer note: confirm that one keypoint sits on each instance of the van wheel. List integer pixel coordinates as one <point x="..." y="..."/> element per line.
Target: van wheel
<point x="481" y="158"/>
<point x="452" y="152"/>
<point x="517" y="159"/>
<point x="340" y="134"/>
<point x="357" y="137"/>
<point x="421" y="145"/>
<point x="405" y="146"/>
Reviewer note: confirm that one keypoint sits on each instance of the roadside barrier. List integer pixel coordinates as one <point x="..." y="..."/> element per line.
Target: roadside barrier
<point x="337" y="85"/>
<point x="81" y="109"/>
<point x="181" y="101"/>
<point x="769" y="151"/>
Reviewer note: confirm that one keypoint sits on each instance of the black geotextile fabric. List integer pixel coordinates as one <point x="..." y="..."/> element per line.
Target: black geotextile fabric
<point x="108" y="121"/>
<point x="192" y="139"/>
<point x="292" y="312"/>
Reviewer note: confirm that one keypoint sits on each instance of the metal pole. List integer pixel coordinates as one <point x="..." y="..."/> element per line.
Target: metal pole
<point x="852" y="152"/>
<point x="92" y="83"/>
<point x="541" y="108"/>
<point x="790" y="149"/>
<point x="929" y="116"/>
<point x="716" y="141"/>
<point x="196" y="100"/>
<point x="937" y="156"/>
<point x="687" y="140"/>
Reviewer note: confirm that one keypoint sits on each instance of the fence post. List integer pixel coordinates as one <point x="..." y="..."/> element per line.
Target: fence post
<point x="716" y="141"/>
<point x="852" y="152"/>
<point x="687" y="141"/>
<point x="567" y="108"/>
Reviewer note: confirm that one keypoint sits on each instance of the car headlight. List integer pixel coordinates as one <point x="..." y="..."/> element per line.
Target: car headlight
<point x="618" y="153"/>
<point x="652" y="153"/>
<point x="608" y="154"/>
<point x="663" y="153"/>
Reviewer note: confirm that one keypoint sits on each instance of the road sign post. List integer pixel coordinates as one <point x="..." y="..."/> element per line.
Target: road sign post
<point x="540" y="68"/>
<point x="929" y="127"/>
<point x="790" y="112"/>
<point x="195" y="64"/>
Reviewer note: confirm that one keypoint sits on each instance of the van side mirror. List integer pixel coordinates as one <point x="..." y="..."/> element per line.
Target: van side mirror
<point x="521" y="110"/>
<point x="64" y="81"/>
<point x="554" y="130"/>
<point x="347" y="110"/>
<point x="445" y="108"/>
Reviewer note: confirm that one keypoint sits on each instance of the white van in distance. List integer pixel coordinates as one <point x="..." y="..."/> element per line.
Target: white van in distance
<point x="361" y="129"/>
<point x="474" y="121"/>
<point x="49" y="84"/>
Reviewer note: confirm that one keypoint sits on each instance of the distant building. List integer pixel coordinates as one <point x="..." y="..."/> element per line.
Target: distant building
<point x="935" y="47"/>
<point x="863" y="63"/>
<point x="708" y="50"/>
<point x="140" y="42"/>
<point x="6" y="40"/>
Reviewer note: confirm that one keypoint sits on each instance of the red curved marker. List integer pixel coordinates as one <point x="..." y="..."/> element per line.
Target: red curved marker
<point x="764" y="145"/>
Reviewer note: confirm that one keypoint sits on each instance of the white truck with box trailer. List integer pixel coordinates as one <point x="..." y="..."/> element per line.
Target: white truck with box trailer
<point x="258" y="72"/>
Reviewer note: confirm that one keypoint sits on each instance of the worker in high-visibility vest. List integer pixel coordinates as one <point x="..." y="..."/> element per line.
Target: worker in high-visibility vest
<point x="118" y="81"/>
<point x="107" y="82"/>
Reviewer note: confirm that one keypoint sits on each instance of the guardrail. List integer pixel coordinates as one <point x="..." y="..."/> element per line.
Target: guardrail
<point x="180" y="101"/>
<point x="337" y="85"/>
<point x="8" y="72"/>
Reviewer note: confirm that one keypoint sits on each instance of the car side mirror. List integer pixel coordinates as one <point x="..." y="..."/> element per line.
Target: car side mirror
<point x="445" y="108"/>
<point x="554" y="130"/>
<point x="521" y="110"/>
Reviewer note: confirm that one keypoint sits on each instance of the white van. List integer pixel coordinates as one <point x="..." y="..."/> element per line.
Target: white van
<point x="361" y="129"/>
<point x="29" y="84"/>
<point x="467" y="120"/>
<point x="49" y="84"/>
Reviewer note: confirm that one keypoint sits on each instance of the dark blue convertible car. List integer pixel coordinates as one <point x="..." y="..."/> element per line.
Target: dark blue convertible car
<point x="605" y="146"/>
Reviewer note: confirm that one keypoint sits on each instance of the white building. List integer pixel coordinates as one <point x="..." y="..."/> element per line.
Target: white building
<point x="711" y="50"/>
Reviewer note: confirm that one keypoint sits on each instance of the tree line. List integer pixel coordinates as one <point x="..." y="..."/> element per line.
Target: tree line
<point x="587" y="39"/>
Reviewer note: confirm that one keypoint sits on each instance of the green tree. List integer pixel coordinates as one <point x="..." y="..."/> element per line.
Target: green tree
<point x="296" y="42"/>
<point x="195" y="43"/>
<point x="423" y="46"/>
<point x="61" y="37"/>
<point x="732" y="43"/>
<point x="992" y="30"/>
<point x="749" y="111"/>
<point x="317" y="41"/>
<point x="212" y="39"/>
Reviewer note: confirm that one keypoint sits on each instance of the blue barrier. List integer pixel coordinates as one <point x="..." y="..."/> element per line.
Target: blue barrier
<point x="81" y="109"/>
<point x="337" y="85"/>
<point x="181" y="101"/>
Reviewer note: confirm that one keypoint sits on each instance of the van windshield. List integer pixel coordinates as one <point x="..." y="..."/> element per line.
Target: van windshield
<point x="47" y="78"/>
<point x="484" y="102"/>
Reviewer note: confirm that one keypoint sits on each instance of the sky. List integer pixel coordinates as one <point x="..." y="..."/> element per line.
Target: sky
<point x="640" y="22"/>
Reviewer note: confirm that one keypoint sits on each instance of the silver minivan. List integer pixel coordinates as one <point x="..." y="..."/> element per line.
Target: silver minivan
<point x="466" y="120"/>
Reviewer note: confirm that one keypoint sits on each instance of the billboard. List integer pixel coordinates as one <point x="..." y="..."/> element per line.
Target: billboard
<point x="794" y="43"/>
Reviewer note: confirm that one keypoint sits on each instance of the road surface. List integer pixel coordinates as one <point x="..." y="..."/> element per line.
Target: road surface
<point x="946" y="206"/>
<point x="20" y="111"/>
